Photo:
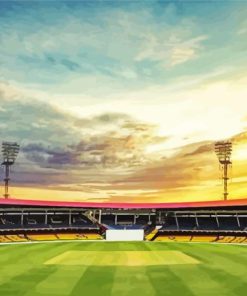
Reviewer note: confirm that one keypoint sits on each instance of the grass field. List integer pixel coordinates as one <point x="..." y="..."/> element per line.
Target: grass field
<point x="103" y="268"/>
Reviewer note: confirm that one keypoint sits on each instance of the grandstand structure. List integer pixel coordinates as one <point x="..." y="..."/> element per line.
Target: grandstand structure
<point x="212" y="221"/>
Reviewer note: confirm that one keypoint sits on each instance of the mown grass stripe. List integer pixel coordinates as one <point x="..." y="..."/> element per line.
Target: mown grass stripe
<point x="61" y="282"/>
<point x="130" y="281"/>
<point x="96" y="281"/>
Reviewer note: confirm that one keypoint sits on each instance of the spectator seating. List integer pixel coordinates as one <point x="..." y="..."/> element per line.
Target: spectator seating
<point x="201" y="238"/>
<point x="12" y="238"/>
<point x="49" y="237"/>
<point x="32" y="221"/>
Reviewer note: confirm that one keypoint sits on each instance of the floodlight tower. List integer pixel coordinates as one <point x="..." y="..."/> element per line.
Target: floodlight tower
<point x="10" y="151"/>
<point x="223" y="150"/>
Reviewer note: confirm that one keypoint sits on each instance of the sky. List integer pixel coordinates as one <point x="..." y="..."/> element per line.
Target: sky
<point x="123" y="101"/>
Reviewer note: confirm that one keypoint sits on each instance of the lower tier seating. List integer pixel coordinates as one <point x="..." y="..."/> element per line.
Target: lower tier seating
<point x="232" y="239"/>
<point x="16" y="238"/>
<point x="201" y="238"/>
<point x="49" y="237"/>
<point x="12" y="238"/>
<point x="152" y="236"/>
<point x="41" y="237"/>
<point x="64" y="236"/>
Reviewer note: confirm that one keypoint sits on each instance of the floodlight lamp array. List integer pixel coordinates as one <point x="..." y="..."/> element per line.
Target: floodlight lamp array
<point x="10" y="151"/>
<point x="223" y="151"/>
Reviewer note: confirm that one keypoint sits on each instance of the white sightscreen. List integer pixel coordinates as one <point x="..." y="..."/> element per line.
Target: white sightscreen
<point x="124" y="234"/>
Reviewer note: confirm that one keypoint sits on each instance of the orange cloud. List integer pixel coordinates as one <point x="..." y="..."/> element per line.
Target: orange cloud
<point x="190" y="174"/>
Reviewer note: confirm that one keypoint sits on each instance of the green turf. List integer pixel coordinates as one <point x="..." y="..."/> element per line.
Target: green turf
<point x="221" y="271"/>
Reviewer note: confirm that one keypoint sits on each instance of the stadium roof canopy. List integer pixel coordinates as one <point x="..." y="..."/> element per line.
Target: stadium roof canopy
<point x="201" y="204"/>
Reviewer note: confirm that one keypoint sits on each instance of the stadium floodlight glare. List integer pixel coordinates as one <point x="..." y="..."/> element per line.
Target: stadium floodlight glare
<point x="10" y="151"/>
<point x="223" y="150"/>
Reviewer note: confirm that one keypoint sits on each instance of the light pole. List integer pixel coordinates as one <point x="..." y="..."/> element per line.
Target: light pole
<point x="223" y="150"/>
<point x="10" y="151"/>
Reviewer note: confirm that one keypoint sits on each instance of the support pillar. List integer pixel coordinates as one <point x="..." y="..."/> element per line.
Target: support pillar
<point x="46" y="218"/>
<point x="70" y="216"/>
<point x="217" y="220"/>
<point x="238" y="220"/>
<point x="176" y="218"/>
<point x="159" y="217"/>
<point x="22" y="217"/>
<point x="100" y="213"/>
<point x="197" y="224"/>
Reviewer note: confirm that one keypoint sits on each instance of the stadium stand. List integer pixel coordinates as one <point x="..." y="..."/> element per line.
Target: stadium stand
<point x="41" y="237"/>
<point x="22" y="221"/>
<point x="16" y="238"/>
<point x="49" y="237"/>
<point x="64" y="236"/>
<point x="79" y="236"/>
<point x="201" y="239"/>
<point x="4" y="239"/>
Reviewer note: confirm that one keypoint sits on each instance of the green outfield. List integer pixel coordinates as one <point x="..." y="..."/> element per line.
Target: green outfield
<point x="136" y="268"/>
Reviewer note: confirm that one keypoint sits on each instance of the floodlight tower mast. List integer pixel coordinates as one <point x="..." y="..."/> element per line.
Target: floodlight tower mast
<point x="223" y="150"/>
<point x="10" y="151"/>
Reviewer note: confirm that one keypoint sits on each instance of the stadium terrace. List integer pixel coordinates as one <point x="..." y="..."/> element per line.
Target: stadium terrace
<point x="212" y="221"/>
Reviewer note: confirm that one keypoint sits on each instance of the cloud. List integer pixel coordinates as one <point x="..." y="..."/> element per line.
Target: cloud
<point x="121" y="144"/>
<point x="200" y="150"/>
<point x="102" y="120"/>
<point x="59" y="49"/>
<point x="171" y="49"/>
<point x="190" y="166"/>
<point x="240" y="138"/>
<point x="186" y="50"/>
<point x="105" y="154"/>
<point x="55" y="145"/>
<point x="34" y="121"/>
<point x="191" y="173"/>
